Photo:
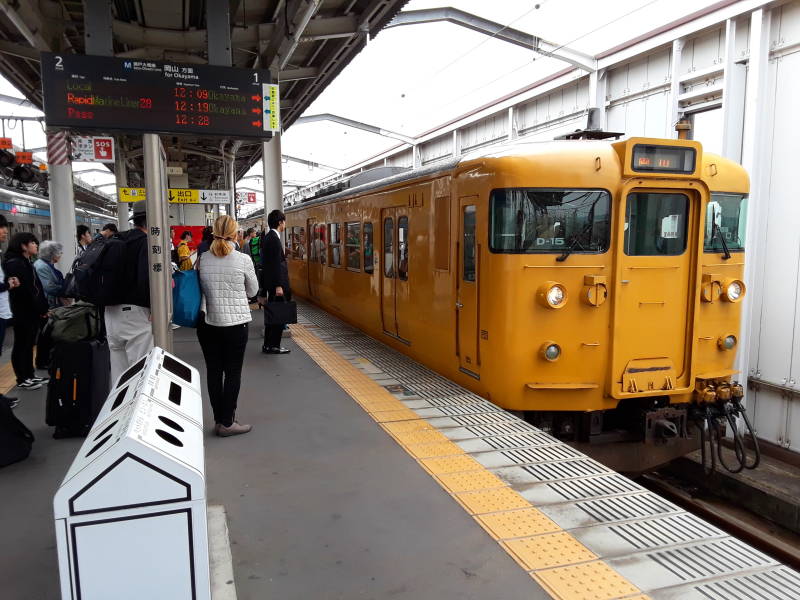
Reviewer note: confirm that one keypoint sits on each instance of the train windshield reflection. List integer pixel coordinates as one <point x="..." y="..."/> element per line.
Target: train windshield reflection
<point x="530" y="220"/>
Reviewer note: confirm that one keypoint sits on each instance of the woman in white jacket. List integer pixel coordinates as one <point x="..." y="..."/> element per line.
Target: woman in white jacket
<point x="227" y="280"/>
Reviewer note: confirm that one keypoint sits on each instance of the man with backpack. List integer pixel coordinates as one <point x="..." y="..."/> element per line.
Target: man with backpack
<point x="127" y="311"/>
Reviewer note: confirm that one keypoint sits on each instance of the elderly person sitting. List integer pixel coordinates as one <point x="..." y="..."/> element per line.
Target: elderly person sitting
<point x="53" y="286"/>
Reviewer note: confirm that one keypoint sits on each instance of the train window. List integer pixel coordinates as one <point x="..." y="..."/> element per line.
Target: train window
<point x="298" y="243"/>
<point x="469" y="243"/>
<point x="369" y="266"/>
<point x="402" y="248"/>
<point x="314" y="247"/>
<point x="321" y="241"/>
<point x="388" y="247"/>
<point x="441" y="240"/>
<point x="656" y="224"/>
<point x="726" y="217"/>
<point x="335" y="245"/>
<point x="543" y="220"/>
<point x="353" y="245"/>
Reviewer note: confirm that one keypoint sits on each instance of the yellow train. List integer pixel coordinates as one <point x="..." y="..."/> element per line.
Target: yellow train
<point x="593" y="285"/>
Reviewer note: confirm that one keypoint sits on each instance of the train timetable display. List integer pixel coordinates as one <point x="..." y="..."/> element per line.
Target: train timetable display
<point x="148" y="96"/>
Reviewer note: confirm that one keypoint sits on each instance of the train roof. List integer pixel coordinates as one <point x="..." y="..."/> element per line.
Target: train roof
<point x="734" y="177"/>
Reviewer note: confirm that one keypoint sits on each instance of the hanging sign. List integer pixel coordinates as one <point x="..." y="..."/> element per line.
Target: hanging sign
<point x="6" y="144"/>
<point x="178" y="196"/>
<point x="272" y="110"/>
<point x="24" y="158"/>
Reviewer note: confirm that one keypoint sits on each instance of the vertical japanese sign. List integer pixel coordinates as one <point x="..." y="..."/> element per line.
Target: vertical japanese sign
<point x="272" y="107"/>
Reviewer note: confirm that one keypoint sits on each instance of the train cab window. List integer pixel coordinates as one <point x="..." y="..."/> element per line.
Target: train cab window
<point x="656" y="224"/>
<point x="402" y="248"/>
<point x="369" y="263"/>
<point x="353" y="245"/>
<point x="726" y="217"/>
<point x="388" y="247"/>
<point x="335" y="244"/>
<point x="468" y="243"/>
<point x="544" y="220"/>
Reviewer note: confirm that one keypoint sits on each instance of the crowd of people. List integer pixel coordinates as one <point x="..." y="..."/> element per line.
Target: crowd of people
<point x="234" y="268"/>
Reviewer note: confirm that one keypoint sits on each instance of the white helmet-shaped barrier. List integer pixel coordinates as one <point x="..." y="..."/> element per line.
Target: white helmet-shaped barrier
<point x="130" y="515"/>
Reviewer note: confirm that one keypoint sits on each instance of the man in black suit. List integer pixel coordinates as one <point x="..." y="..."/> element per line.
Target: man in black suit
<point x="274" y="279"/>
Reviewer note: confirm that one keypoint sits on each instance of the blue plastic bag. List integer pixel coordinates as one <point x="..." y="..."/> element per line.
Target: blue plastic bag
<point x="185" y="298"/>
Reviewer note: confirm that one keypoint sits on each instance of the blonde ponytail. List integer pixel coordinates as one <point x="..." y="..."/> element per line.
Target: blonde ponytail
<point x="224" y="233"/>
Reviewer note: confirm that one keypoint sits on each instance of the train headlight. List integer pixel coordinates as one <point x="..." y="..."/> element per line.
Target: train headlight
<point x="550" y="351"/>
<point x="727" y="342"/>
<point x="552" y="294"/>
<point x="733" y="290"/>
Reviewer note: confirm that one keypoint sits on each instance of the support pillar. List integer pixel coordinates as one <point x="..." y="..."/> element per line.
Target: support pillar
<point x="158" y="242"/>
<point x="121" y="173"/>
<point x="273" y="175"/>
<point x="62" y="195"/>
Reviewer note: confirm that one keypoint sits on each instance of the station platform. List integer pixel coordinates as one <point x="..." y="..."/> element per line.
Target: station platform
<point x="370" y="476"/>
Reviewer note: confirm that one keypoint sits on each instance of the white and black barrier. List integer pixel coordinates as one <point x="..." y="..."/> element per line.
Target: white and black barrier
<point x="130" y="514"/>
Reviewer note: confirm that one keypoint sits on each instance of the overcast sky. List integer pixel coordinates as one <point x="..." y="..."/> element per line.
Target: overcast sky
<point x="411" y="79"/>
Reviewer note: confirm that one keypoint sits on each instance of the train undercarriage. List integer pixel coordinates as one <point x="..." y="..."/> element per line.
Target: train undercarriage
<point x="642" y="434"/>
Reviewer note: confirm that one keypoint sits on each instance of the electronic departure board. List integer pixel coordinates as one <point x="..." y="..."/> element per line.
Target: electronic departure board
<point x="148" y="96"/>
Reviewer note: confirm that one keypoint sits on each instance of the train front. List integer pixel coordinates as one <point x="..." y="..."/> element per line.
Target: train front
<point x="627" y="278"/>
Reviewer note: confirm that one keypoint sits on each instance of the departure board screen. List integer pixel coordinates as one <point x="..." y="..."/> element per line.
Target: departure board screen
<point x="149" y="96"/>
<point x="663" y="159"/>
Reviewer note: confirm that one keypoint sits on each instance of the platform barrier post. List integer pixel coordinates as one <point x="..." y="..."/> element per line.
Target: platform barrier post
<point x="130" y="515"/>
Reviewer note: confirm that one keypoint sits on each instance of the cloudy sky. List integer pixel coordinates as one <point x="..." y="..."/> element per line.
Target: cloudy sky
<point x="411" y="79"/>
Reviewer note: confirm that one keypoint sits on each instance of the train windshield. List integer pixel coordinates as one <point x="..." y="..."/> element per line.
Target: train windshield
<point x="530" y="220"/>
<point x="726" y="218"/>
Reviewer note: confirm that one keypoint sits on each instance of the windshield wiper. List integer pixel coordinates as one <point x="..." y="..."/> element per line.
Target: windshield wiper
<point x="715" y="230"/>
<point x="568" y="250"/>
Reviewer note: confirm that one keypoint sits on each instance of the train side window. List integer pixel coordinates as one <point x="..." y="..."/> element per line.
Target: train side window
<point x="313" y="250"/>
<point x="402" y="248"/>
<point x="335" y="244"/>
<point x="369" y="264"/>
<point x="468" y="243"/>
<point x="319" y="240"/>
<point x="353" y="245"/>
<point x="441" y="240"/>
<point x="298" y="243"/>
<point x="388" y="247"/>
<point x="656" y="224"/>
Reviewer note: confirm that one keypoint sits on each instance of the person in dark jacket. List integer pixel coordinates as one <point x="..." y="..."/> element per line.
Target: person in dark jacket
<point x="274" y="279"/>
<point x="128" y="327"/>
<point x="205" y="242"/>
<point x="29" y="305"/>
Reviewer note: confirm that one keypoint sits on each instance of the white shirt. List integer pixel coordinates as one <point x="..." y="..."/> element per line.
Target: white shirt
<point x="5" y="307"/>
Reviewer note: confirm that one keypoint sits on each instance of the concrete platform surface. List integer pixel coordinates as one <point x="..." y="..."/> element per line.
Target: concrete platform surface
<point x="321" y="503"/>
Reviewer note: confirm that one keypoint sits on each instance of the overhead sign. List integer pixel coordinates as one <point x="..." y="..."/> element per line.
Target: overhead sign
<point x="93" y="149"/>
<point x="178" y="196"/>
<point x="122" y="94"/>
<point x="24" y="158"/>
<point x="245" y="197"/>
<point x="6" y="144"/>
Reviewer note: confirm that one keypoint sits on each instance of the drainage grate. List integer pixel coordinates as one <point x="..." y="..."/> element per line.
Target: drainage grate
<point x="542" y="454"/>
<point x="622" y="508"/>
<point x="665" y="531"/>
<point x="776" y="584"/>
<point x="465" y="409"/>
<point x="710" y="559"/>
<point x="508" y="442"/>
<point x="507" y="428"/>
<point x="483" y="418"/>
<point x="459" y="400"/>
<point x="593" y="487"/>
<point x="565" y="470"/>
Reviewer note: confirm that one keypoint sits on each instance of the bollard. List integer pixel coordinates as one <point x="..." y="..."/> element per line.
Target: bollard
<point x="130" y="514"/>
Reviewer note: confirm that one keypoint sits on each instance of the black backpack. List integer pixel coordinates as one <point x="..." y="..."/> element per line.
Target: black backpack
<point x="15" y="439"/>
<point x="97" y="274"/>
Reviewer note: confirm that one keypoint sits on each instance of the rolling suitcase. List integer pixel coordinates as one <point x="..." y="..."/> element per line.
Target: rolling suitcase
<point x="80" y="375"/>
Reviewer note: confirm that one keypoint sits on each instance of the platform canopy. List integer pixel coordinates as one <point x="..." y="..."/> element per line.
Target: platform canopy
<point x="304" y="43"/>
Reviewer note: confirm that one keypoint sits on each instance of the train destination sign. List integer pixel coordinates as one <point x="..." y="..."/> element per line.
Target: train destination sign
<point x="149" y="96"/>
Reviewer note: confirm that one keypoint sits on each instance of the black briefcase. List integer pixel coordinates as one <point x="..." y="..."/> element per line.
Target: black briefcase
<point x="280" y="313"/>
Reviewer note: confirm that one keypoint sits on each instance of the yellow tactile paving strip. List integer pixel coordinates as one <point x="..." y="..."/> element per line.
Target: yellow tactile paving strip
<point x="563" y="566"/>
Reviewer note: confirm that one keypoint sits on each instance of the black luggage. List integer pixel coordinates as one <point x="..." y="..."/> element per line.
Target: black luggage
<point x="80" y="375"/>
<point x="280" y="312"/>
<point x="15" y="439"/>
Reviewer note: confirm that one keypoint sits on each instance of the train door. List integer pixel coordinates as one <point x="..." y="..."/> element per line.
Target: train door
<point x="394" y="278"/>
<point x="654" y="303"/>
<point x="315" y="263"/>
<point x="467" y="308"/>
